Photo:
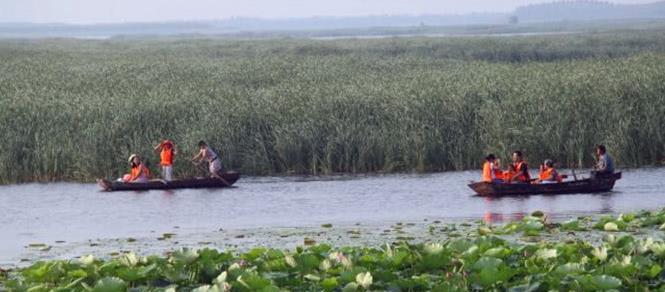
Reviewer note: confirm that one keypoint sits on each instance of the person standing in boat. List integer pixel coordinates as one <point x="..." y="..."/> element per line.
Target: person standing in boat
<point x="605" y="163"/>
<point x="214" y="162"/>
<point x="548" y="174"/>
<point x="139" y="172"/>
<point x="167" y="152"/>
<point x="518" y="171"/>
<point x="491" y="171"/>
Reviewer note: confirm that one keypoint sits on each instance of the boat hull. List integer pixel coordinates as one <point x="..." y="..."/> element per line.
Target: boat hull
<point x="194" y="183"/>
<point x="598" y="184"/>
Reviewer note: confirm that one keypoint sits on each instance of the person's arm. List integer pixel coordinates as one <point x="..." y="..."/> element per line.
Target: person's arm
<point x="521" y="171"/>
<point x="198" y="156"/>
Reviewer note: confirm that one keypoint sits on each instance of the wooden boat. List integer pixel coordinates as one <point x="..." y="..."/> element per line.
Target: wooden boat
<point x="192" y="183"/>
<point x="597" y="184"/>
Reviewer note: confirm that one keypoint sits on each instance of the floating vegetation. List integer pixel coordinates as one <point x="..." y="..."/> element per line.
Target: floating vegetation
<point x="327" y="225"/>
<point x="498" y="257"/>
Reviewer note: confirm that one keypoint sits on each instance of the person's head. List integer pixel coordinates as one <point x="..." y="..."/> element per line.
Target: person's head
<point x="549" y="163"/>
<point x="134" y="160"/>
<point x="167" y="144"/>
<point x="517" y="156"/>
<point x="490" y="158"/>
<point x="202" y="144"/>
<point x="600" y="150"/>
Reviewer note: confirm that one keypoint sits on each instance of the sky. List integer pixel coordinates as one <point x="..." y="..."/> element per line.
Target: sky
<point x="114" y="11"/>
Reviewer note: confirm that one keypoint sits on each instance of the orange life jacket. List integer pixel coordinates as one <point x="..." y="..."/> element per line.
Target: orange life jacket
<point x="547" y="173"/>
<point x="166" y="156"/>
<point x="139" y="171"/>
<point x="488" y="169"/>
<point x="522" y="176"/>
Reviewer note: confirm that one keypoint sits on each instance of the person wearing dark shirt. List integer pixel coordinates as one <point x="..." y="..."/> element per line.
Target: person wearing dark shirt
<point x="605" y="163"/>
<point x="519" y="170"/>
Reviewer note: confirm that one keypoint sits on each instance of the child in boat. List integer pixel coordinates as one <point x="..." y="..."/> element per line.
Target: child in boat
<point x="548" y="174"/>
<point x="139" y="172"/>
<point x="491" y="170"/>
<point x="167" y="152"/>
<point x="214" y="162"/>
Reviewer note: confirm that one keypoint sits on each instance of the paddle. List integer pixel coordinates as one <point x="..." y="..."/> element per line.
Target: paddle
<point x="215" y="175"/>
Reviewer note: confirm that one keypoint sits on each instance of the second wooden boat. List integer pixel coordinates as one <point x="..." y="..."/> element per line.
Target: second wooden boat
<point x="596" y="184"/>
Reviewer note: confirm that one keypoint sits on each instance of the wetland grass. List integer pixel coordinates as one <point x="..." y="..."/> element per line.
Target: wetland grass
<point x="74" y="110"/>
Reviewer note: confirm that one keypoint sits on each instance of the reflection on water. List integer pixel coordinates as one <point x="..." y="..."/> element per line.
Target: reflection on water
<point x="78" y="212"/>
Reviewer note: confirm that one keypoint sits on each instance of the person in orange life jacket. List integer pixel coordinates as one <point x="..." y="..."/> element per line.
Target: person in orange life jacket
<point x="519" y="170"/>
<point x="139" y="172"/>
<point x="491" y="171"/>
<point x="548" y="174"/>
<point x="167" y="153"/>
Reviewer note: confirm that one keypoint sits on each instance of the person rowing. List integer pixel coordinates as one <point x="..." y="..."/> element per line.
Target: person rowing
<point x="214" y="162"/>
<point x="604" y="164"/>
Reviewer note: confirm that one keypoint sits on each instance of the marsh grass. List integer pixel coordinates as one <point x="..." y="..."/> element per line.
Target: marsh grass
<point x="74" y="110"/>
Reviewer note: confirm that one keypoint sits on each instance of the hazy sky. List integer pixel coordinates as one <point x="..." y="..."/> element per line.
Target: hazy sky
<point x="97" y="11"/>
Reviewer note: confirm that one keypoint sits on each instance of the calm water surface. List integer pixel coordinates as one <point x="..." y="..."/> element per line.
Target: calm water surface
<point x="44" y="213"/>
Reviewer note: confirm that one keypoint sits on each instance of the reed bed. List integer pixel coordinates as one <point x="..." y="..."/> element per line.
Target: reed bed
<point x="75" y="110"/>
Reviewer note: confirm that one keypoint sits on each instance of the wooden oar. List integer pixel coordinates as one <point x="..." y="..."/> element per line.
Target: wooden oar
<point x="215" y="175"/>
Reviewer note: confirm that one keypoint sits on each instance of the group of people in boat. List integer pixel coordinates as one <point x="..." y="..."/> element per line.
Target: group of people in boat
<point x="518" y="170"/>
<point x="139" y="172"/>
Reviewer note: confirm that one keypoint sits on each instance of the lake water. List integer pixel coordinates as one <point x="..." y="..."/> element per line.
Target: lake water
<point x="45" y="213"/>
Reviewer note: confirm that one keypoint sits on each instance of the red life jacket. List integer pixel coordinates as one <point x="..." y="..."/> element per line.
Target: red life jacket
<point x="523" y="176"/>
<point x="139" y="171"/>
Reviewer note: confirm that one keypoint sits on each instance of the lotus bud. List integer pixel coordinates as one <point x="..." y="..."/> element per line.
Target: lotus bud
<point x="611" y="227"/>
<point x="290" y="261"/>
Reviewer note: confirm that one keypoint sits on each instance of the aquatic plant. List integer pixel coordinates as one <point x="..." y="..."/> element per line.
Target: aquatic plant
<point x="476" y="261"/>
<point x="74" y="110"/>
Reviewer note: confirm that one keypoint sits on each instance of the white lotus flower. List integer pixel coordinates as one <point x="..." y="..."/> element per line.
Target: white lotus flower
<point x="87" y="260"/>
<point x="610" y="238"/>
<point x="389" y="251"/>
<point x="129" y="259"/>
<point x="545" y="254"/>
<point x="626" y="260"/>
<point x="346" y="263"/>
<point x="364" y="280"/>
<point x="644" y="245"/>
<point x="325" y="265"/>
<point x="208" y="288"/>
<point x="234" y="266"/>
<point x="600" y="253"/>
<point x="611" y="226"/>
<point x="290" y="261"/>
<point x="657" y="248"/>
<point x="221" y="278"/>
<point x="433" y="248"/>
<point x="335" y="256"/>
